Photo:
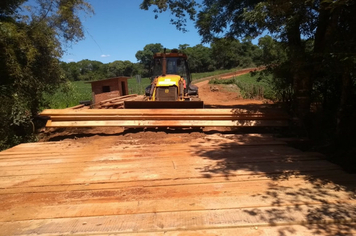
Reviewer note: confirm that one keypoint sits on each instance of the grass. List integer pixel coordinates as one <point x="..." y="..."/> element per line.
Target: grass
<point x="199" y="76"/>
<point x="250" y="86"/>
<point x="138" y="88"/>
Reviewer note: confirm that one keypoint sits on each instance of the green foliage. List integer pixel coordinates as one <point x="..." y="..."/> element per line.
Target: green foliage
<point x="222" y="81"/>
<point x="30" y="45"/>
<point x="180" y="8"/>
<point x="69" y="94"/>
<point x="121" y="68"/>
<point x="199" y="76"/>
<point x="199" y="57"/>
<point x="273" y="52"/>
<point x="222" y="54"/>
<point x="251" y="86"/>
<point x="230" y="53"/>
<point x="138" y="88"/>
<point x="145" y="56"/>
<point x="27" y="68"/>
<point x="88" y="70"/>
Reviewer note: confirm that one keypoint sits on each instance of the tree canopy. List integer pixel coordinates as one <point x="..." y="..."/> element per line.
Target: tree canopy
<point x="145" y="56"/>
<point x="200" y="58"/>
<point x="32" y="39"/>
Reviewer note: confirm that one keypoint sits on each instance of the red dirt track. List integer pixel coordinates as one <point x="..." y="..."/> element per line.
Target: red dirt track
<point x="223" y="97"/>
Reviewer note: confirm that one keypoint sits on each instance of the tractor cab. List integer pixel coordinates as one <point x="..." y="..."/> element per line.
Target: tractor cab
<point x="171" y="85"/>
<point x="175" y="65"/>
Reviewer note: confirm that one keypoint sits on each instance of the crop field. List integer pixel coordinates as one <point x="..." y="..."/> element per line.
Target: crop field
<point x="68" y="95"/>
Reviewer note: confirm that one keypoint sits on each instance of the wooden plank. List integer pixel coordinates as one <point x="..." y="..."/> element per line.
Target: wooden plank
<point x="111" y="175"/>
<point x="76" y="107"/>
<point x="226" y="145"/>
<point x="168" y="123"/>
<point x="159" y="117"/>
<point x="125" y="201"/>
<point x="336" y="175"/>
<point x="118" y="98"/>
<point x="48" y="123"/>
<point x="118" y="102"/>
<point x="129" y="151"/>
<point x="165" y="163"/>
<point x="187" y="220"/>
<point x="210" y="184"/>
<point x="53" y="112"/>
<point x="70" y="160"/>
<point x="120" y="169"/>
<point x="285" y="230"/>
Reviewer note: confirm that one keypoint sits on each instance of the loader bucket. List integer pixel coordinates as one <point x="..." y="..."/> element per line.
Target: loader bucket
<point x="163" y="104"/>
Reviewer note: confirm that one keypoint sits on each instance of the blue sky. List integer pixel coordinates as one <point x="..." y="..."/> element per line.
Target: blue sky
<point x="119" y="28"/>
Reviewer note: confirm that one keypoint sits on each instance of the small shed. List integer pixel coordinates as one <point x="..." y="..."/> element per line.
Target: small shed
<point x="109" y="88"/>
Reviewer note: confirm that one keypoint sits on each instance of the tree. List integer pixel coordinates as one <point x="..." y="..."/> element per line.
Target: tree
<point x="70" y="70"/>
<point x="90" y="70"/>
<point x="121" y="68"/>
<point x="199" y="58"/>
<point x="30" y="47"/>
<point x="145" y="56"/>
<point x="183" y="47"/>
<point x="273" y="53"/>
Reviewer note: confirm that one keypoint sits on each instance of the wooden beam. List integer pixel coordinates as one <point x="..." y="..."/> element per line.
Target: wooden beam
<point x="173" y="112"/>
<point x="76" y="107"/>
<point x="117" y="98"/>
<point x="168" y="123"/>
<point x="159" y="117"/>
<point x="162" y="118"/>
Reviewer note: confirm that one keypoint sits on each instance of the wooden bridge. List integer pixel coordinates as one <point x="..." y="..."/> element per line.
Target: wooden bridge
<point x="216" y="184"/>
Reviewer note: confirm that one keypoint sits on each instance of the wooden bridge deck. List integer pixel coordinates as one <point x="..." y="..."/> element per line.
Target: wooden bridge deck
<point x="214" y="185"/>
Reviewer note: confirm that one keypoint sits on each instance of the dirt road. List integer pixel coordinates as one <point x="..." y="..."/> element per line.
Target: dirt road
<point x="225" y="96"/>
<point x="110" y="181"/>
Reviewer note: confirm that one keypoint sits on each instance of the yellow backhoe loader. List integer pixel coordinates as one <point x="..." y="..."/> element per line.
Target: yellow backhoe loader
<point x="171" y="85"/>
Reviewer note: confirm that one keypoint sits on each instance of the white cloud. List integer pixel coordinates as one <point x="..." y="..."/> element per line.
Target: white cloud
<point x="105" y="55"/>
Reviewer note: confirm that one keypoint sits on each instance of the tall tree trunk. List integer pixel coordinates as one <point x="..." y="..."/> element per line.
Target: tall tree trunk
<point x="345" y="106"/>
<point x="301" y="77"/>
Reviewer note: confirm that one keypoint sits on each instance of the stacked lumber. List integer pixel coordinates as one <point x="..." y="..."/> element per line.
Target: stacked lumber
<point x="117" y="102"/>
<point x="80" y="106"/>
<point x="161" y="118"/>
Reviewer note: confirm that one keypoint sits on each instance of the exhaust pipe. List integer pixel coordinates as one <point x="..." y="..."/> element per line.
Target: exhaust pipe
<point x="164" y="64"/>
